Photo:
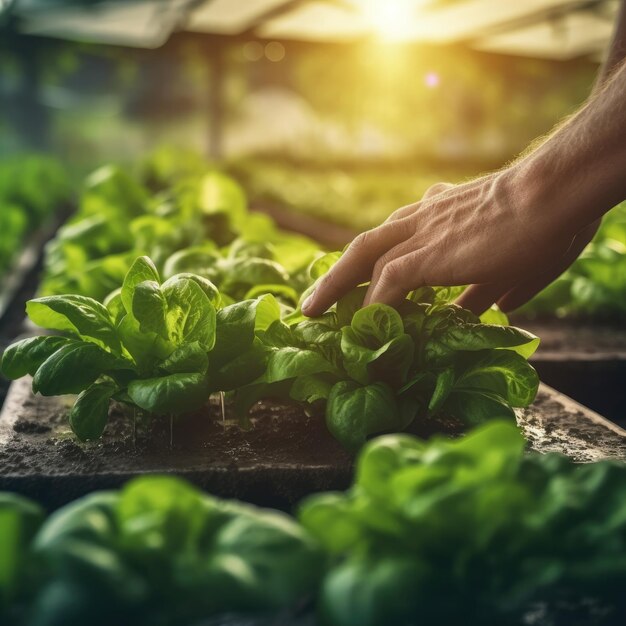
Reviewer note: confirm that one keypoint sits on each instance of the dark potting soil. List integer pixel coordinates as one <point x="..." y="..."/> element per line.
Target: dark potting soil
<point x="557" y="423"/>
<point x="284" y="456"/>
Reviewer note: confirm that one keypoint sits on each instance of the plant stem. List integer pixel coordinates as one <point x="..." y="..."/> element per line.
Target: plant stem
<point x="134" y="428"/>
<point x="171" y="430"/>
<point x="223" y="407"/>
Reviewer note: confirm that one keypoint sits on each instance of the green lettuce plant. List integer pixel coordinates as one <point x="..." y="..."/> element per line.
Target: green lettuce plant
<point x="156" y="552"/>
<point x="159" y="347"/>
<point x="471" y="531"/>
<point x="468" y="531"/>
<point x="193" y="218"/>
<point x="164" y="347"/>
<point x="226" y="318"/>
<point x="32" y="189"/>
<point x="378" y="369"/>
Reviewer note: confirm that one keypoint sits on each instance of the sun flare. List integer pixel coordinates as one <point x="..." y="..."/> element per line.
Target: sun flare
<point x="391" y="19"/>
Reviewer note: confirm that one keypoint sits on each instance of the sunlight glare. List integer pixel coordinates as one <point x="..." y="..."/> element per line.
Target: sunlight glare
<point x="391" y="19"/>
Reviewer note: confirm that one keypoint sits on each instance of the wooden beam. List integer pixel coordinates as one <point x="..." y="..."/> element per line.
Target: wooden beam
<point x="541" y="15"/>
<point x="278" y="11"/>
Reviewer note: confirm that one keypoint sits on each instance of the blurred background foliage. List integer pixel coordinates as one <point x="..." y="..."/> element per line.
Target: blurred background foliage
<point x="428" y="107"/>
<point x="346" y="132"/>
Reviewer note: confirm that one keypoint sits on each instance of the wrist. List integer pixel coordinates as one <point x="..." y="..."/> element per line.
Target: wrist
<point x="577" y="174"/>
<point x="556" y="194"/>
<point x="531" y="189"/>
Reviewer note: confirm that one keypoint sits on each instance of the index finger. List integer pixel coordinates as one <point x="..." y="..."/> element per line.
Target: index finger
<point x="356" y="265"/>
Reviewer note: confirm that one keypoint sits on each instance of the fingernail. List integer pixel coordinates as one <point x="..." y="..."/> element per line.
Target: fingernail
<point x="307" y="303"/>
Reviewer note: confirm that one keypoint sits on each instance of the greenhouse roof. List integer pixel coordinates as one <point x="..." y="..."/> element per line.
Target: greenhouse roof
<point x="554" y="29"/>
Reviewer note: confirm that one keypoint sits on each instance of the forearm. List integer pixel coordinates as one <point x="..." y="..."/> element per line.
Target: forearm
<point x="501" y="233"/>
<point x="579" y="172"/>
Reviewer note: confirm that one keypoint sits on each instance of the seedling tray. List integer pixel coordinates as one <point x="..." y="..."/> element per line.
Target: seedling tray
<point x="285" y="456"/>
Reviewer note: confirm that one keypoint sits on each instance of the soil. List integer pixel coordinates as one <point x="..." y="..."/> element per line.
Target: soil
<point x="285" y="455"/>
<point x="557" y="423"/>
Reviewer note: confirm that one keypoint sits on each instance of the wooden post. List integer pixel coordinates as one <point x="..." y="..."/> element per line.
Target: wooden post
<point x="216" y="101"/>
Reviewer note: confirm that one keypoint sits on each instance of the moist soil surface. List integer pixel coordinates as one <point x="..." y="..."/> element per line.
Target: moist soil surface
<point x="285" y="455"/>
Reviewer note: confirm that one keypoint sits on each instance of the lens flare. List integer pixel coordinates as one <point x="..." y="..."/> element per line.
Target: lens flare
<point x="431" y="80"/>
<point x="391" y="19"/>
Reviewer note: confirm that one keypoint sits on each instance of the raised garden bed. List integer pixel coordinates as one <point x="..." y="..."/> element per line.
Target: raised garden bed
<point x="583" y="360"/>
<point x="285" y="456"/>
<point x="20" y="284"/>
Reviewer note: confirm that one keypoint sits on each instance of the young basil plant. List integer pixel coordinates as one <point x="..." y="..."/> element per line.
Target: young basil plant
<point x="148" y="346"/>
<point x="378" y="369"/>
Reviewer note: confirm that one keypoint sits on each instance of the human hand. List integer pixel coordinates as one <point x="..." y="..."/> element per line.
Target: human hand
<point x="493" y="234"/>
<point x="512" y="295"/>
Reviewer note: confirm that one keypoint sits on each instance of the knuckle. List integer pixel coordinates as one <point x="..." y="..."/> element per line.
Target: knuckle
<point x="408" y="226"/>
<point x="436" y="189"/>
<point x="402" y="212"/>
<point x="392" y="273"/>
<point x="360" y="243"/>
<point x="387" y="259"/>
